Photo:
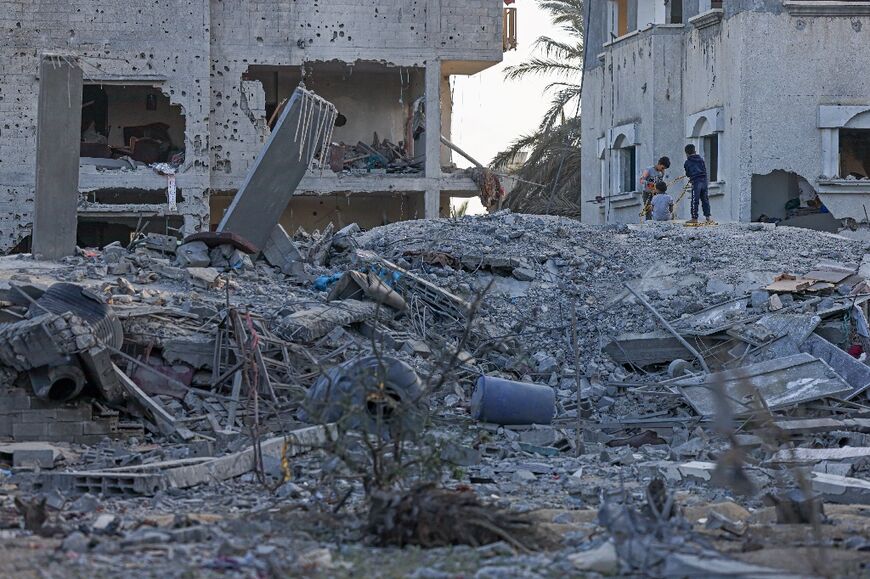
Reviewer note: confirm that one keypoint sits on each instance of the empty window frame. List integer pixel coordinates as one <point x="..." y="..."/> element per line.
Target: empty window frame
<point x="675" y="11"/>
<point x="855" y="153"/>
<point x="626" y="166"/>
<point x="710" y="149"/>
<point x="135" y="121"/>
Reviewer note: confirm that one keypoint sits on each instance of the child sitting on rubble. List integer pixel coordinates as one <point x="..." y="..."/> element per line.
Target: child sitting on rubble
<point x="662" y="203"/>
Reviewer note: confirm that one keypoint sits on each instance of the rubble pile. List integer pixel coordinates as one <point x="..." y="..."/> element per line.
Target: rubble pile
<point x="381" y="157"/>
<point x="517" y="395"/>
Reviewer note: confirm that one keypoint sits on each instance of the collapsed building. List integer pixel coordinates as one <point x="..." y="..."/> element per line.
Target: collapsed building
<point x="176" y="104"/>
<point x="757" y="86"/>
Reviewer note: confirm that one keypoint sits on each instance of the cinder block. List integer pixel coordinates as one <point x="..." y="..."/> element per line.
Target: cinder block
<point x="96" y="428"/>
<point x="76" y="414"/>
<point x="42" y="415"/>
<point x="29" y="430"/>
<point x="43" y="458"/>
<point x="68" y="430"/>
<point x="13" y="403"/>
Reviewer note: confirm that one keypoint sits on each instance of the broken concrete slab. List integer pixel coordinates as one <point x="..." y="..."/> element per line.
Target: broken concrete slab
<point x="148" y="479"/>
<point x="192" y="254"/>
<point x="316" y="322"/>
<point x="841" y="489"/>
<point x="713" y="565"/>
<point x="645" y="349"/>
<point x="714" y="319"/>
<point x="226" y="467"/>
<point x="781" y="383"/>
<point x="161" y="243"/>
<point x="197" y="351"/>
<point x="257" y="207"/>
<point x="32" y="454"/>
<point x="280" y="251"/>
<point x="343" y="238"/>
<point x="813" y="455"/>
<point x="203" y="277"/>
<point x="602" y="559"/>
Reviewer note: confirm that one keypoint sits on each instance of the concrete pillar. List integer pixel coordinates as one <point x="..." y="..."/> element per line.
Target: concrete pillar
<point x="433" y="137"/>
<point x="58" y="134"/>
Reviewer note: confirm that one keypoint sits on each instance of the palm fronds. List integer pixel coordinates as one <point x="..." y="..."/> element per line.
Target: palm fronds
<point x="549" y="179"/>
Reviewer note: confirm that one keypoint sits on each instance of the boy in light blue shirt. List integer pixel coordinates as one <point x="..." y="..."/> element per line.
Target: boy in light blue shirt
<point x="662" y="203"/>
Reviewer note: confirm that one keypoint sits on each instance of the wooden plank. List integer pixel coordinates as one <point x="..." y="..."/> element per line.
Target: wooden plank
<point x="789" y="283"/>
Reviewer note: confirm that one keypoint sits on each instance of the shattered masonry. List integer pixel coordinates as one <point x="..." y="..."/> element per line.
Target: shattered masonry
<point x="189" y="67"/>
<point x="539" y="360"/>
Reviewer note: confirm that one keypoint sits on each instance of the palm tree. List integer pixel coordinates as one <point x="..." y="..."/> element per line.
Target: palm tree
<point x="549" y="179"/>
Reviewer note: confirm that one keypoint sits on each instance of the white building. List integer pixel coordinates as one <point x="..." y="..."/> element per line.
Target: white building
<point x="774" y="93"/>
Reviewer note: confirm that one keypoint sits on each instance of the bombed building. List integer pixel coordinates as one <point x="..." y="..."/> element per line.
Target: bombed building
<point x="178" y="98"/>
<point x="757" y="86"/>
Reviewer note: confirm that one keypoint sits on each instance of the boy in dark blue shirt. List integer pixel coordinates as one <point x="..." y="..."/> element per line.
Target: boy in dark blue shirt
<point x="696" y="171"/>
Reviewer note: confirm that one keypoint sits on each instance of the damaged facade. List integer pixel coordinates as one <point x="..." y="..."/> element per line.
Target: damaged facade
<point x="193" y="91"/>
<point x="758" y="86"/>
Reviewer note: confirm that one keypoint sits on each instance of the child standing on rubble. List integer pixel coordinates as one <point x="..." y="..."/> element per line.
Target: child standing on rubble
<point x="696" y="171"/>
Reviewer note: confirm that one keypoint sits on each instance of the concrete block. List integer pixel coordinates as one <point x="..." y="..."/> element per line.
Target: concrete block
<point x="29" y="431"/>
<point x="42" y="458"/>
<point x="17" y="402"/>
<point x="65" y="430"/>
<point x="96" y="428"/>
<point x="77" y="414"/>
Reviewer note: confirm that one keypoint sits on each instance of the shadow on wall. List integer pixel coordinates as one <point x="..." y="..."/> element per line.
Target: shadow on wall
<point x="786" y="198"/>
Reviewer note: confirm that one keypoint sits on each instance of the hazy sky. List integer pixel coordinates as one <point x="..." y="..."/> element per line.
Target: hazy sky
<point x="490" y="112"/>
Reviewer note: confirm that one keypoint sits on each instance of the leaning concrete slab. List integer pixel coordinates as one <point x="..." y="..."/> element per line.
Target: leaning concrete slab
<point x="58" y="135"/>
<point x="305" y="125"/>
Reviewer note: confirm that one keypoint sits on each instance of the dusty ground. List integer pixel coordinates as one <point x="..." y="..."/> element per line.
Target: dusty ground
<point x="303" y="528"/>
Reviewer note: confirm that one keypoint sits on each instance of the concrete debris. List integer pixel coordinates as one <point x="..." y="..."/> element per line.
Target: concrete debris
<point x="192" y="254"/>
<point x="767" y="385"/>
<point x="281" y="252"/>
<point x="570" y="426"/>
<point x="602" y="559"/>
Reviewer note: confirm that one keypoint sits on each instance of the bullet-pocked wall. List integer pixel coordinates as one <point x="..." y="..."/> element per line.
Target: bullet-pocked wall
<point x="399" y="34"/>
<point x="196" y="53"/>
<point x="162" y="42"/>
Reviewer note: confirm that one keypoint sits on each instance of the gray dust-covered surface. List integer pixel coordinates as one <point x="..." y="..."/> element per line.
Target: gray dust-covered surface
<point x="536" y="283"/>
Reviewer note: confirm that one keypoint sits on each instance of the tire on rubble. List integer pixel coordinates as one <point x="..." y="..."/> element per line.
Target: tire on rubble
<point x="377" y="395"/>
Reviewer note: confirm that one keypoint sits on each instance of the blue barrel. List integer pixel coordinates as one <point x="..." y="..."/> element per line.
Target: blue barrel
<point x="508" y="402"/>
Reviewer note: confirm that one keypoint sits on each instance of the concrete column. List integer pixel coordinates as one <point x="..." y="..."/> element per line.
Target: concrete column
<point x="58" y="134"/>
<point x="433" y="137"/>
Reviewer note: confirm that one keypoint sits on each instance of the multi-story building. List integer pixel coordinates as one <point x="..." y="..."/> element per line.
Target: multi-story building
<point x="775" y="94"/>
<point x="195" y="82"/>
